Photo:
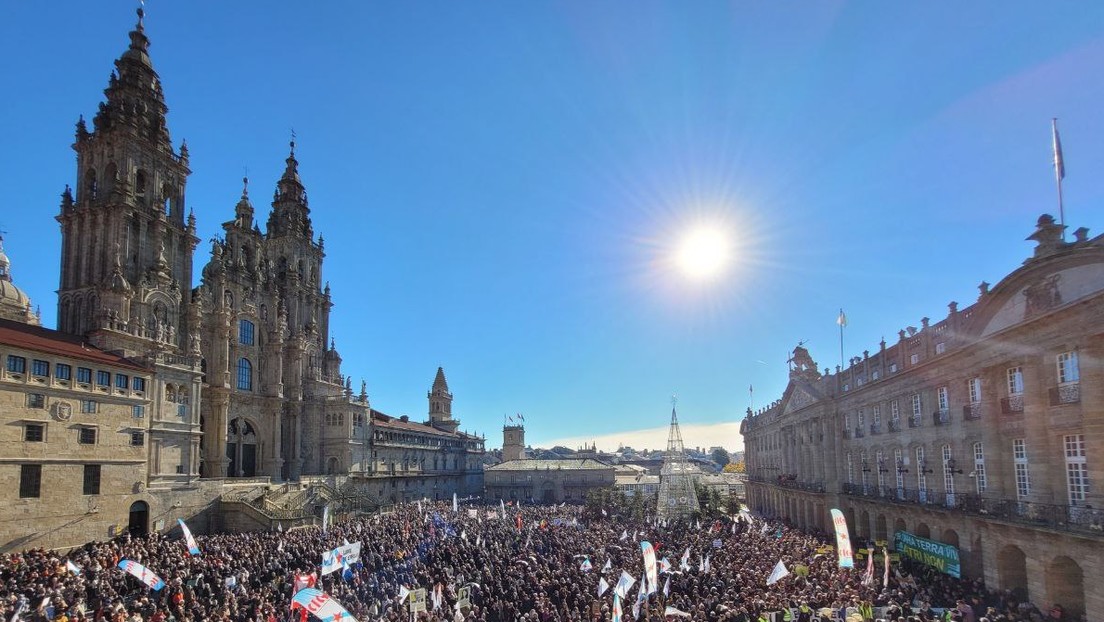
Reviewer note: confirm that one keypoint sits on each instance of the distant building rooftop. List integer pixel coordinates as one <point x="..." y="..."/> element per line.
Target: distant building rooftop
<point x="563" y="464"/>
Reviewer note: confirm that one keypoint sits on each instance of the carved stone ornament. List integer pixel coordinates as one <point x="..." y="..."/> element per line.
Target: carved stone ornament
<point x="63" y="411"/>
<point x="1043" y="295"/>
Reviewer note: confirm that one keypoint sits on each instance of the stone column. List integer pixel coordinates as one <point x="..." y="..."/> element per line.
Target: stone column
<point x="1040" y="455"/>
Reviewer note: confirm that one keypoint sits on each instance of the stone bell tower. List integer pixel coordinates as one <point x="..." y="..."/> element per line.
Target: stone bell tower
<point x="126" y="261"/>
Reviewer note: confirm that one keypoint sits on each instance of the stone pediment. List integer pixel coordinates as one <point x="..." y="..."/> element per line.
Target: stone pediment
<point x="798" y="396"/>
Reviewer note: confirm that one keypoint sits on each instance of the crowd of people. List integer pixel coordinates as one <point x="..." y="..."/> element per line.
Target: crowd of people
<point x="524" y="566"/>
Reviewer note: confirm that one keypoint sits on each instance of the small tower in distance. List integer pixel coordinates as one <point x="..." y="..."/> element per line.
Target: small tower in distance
<point x="440" y="404"/>
<point x="513" y="442"/>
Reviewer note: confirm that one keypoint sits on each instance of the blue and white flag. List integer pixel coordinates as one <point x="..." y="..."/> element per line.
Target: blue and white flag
<point x="586" y="566"/>
<point x="73" y="568"/>
<point x="193" y="546"/>
<point x="623" y="584"/>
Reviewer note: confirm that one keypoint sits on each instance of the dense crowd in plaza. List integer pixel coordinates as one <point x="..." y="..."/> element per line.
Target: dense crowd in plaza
<point x="531" y="573"/>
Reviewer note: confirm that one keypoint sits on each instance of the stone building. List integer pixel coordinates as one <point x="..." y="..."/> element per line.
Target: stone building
<point x="982" y="430"/>
<point x="541" y="481"/>
<point x="166" y="397"/>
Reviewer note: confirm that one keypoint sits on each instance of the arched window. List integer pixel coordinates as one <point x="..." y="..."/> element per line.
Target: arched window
<point x="90" y="187"/>
<point x="166" y="198"/>
<point x="170" y="394"/>
<point x="140" y="182"/>
<point x="245" y="333"/>
<point x="245" y="374"/>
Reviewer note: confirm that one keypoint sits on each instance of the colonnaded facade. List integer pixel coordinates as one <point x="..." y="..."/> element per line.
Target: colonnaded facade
<point x="984" y="430"/>
<point x="164" y="395"/>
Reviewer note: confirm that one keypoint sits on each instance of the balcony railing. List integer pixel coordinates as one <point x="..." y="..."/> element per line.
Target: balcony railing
<point x="788" y="481"/>
<point x="859" y="432"/>
<point x="875" y="428"/>
<point x="915" y="421"/>
<point x="894" y="425"/>
<point x="1013" y="404"/>
<point x="847" y="433"/>
<point x="971" y="411"/>
<point x="941" y="417"/>
<point x="1065" y="394"/>
<point x="1073" y="518"/>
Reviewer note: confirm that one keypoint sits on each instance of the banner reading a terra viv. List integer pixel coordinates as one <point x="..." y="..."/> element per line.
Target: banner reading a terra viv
<point x="942" y="557"/>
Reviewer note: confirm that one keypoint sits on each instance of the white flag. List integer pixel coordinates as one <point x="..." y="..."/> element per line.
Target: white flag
<point x="73" y="568"/>
<point x="667" y="588"/>
<point x="325" y="518"/>
<point x="502" y="504"/>
<point x="403" y="592"/>
<point x="624" y="534"/>
<point x="778" y="573"/>
<point x="602" y="586"/>
<point x="623" y="584"/>
<point x="707" y="566"/>
<point x="671" y="611"/>
<point x="684" y="564"/>
<point x="608" y="565"/>
<point x="455" y="505"/>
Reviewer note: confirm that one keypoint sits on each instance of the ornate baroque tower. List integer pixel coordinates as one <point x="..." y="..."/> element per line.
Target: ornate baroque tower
<point x="440" y="404"/>
<point x="677" y="497"/>
<point x="513" y="442"/>
<point x="126" y="257"/>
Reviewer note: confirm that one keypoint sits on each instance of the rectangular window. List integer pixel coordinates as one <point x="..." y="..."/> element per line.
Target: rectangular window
<point x="865" y="468"/>
<point x="121" y="381"/>
<point x="941" y="392"/>
<point x="86" y="436"/>
<point x="899" y="467"/>
<point x="1015" y="381"/>
<point x="1077" y="470"/>
<point x="30" y="481"/>
<point x="139" y="411"/>
<point x="16" y="364"/>
<point x="139" y="384"/>
<point x="921" y="476"/>
<point x="84" y="375"/>
<point x="88" y="407"/>
<point x="880" y="459"/>
<point x="137" y="438"/>
<point x="893" y="368"/>
<point x="1068" y="370"/>
<point x="940" y="347"/>
<point x="34" y="432"/>
<point x="1019" y="458"/>
<point x="861" y="418"/>
<point x="916" y="405"/>
<point x="40" y="368"/>
<point x="850" y="470"/>
<point x="974" y="387"/>
<point x="895" y="412"/>
<point x="245" y="333"/>
<point x="876" y="415"/>
<point x="979" y="468"/>
<point x="91" y="479"/>
<point x="875" y="375"/>
<point x="36" y="400"/>
<point x="914" y="359"/>
<point x="63" y="371"/>
<point x="948" y="475"/>
<point x="103" y="378"/>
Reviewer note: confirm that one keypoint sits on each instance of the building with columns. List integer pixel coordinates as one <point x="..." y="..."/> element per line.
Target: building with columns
<point x="983" y="430"/>
<point x="166" y="393"/>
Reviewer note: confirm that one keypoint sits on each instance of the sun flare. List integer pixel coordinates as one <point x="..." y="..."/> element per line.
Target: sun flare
<point x="703" y="252"/>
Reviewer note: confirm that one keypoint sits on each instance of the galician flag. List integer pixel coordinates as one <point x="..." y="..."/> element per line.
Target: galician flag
<point x="586" y="566"/>
<point x="778" y="573"/>
<point x="608" y="566"/>
<point x="602" y="586"/>
<point x="842" y="319"/>
<point x="616" y="608"/>
<point x="623" y="584"/>
<point x="73" y="568"/>
<point x="650" y="574"/>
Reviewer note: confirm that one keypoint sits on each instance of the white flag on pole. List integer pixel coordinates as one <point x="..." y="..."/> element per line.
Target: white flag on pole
<point x="623" y="584"/>
<point x="778" y="573"/>
<point x="603" y="585"/>
<point x="671" y="611"/>
<point x="455" y="505"/>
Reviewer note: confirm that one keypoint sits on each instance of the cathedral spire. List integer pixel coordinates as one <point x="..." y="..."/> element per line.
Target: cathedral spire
<point x="290" y="214"/>
<point x="243" y="212"/>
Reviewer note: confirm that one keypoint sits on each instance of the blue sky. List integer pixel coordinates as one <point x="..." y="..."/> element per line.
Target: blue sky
<point x="501" y="184"/>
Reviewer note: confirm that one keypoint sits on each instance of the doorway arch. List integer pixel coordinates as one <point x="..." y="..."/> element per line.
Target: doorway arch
<point x="880" y="528"/>
<point x="923" y="530"/>
<point x="241" y="448"/>
<point x="1065" y="585"/>
<point x="139" y="519"/>
<point x="1012" y="569"/>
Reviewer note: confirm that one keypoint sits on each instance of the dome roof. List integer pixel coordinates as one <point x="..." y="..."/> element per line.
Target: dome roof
<point x="14" y="303"/>
<point x="10" y="295"/>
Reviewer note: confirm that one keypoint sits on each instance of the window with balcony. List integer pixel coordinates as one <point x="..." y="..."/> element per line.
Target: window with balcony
<point x="1077" y="470"/>
<point x="137" y="438"/>
<point x="1015" y="381"/>
<point x="880" y="459"/>
<point x="973" y="386"/>
<point x="850" y="470"/>
<point x="944" y="402"/>
<point x="948" y="475"/>
<point x="139" y="384"/>
<point x="979" y="468"/>
<point x="899" y="468"/>
<point x="1020" y="465"/>
<point x="921" y="474"/>
<point x="1068" y="370"/>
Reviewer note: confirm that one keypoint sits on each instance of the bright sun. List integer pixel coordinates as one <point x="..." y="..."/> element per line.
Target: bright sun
<point x="703" y="252"/>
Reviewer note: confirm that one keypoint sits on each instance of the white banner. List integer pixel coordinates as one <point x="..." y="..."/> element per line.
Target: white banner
<point x="347" y="555"/>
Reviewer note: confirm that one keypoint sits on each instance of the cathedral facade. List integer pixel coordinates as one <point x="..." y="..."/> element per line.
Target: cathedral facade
<point x="164" y="393"/>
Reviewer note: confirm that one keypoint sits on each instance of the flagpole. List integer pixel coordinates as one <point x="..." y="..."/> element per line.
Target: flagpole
<point x="1059" y="173"/>
<point x="842" y="320"/>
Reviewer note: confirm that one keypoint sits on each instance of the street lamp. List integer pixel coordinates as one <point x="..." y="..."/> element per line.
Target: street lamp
<point x="922" y="465"/>
<point x="950" y="465"/>
<point x="901" y="466"/>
